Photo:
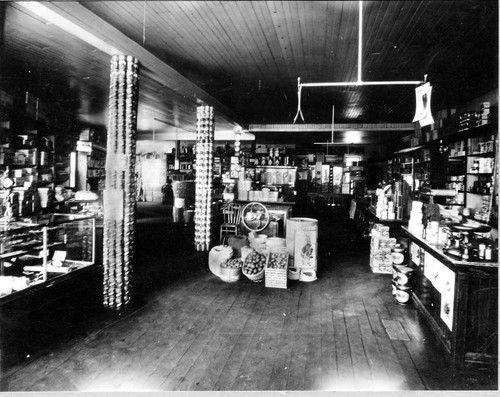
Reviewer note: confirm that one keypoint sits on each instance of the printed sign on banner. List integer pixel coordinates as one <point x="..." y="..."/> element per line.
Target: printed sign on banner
<point x="423" y="113"/>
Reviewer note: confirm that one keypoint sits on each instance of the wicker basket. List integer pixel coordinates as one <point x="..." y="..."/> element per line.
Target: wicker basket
<point x="255" y="277"/>
<point x="258" y="276"/>
<point x="229" y="275"/>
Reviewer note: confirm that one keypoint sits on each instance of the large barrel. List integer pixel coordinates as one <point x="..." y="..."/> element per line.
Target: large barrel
<point x="184" y="190"/>
<point x="302" y="246"/>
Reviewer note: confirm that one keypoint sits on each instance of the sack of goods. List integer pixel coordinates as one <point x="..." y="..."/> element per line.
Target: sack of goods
<point x="237" y="243"/>
<point x="258" y="242"/>
<point x="218" y="255"/>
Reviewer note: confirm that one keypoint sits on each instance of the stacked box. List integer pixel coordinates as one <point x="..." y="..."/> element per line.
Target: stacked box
<point x="415" y="224"/>
<point x="381" y="249"/>
<point x="483" y="116"/>
<point x="457" y="149"/>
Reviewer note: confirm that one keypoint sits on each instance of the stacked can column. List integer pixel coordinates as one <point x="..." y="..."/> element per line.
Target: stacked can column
<point x="204" y="174"/>
<point x="120" y="188"/>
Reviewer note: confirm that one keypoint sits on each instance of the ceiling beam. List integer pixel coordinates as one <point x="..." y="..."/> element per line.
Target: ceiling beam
<point x="78" y="20"/>
<point x="388" y="127"/>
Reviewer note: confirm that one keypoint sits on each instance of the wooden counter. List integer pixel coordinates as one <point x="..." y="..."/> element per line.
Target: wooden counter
<point x="459" y="301"/>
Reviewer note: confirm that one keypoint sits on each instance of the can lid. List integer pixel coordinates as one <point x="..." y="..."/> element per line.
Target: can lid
<point x="403" y="269"/>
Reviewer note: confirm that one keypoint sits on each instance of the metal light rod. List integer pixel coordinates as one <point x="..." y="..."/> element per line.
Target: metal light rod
<point x="360" y="81"/>
<point x="360" y="40"/>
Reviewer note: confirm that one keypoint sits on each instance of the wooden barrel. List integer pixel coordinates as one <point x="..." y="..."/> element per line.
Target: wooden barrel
<point x="184" y="190"/>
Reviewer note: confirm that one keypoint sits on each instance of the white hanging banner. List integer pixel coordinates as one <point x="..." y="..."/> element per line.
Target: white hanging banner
<point x="423" y="112"/>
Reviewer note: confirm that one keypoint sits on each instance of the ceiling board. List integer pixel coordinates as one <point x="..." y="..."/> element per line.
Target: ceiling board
<point x="246" y="56"/>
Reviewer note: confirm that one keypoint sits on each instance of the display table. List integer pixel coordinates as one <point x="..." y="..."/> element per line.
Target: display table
<point x="458" y="299"/>
<point x="279" y="212"/>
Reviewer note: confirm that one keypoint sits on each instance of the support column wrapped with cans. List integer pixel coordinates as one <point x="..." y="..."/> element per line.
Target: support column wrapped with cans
<point x="204" y="174"/>
<point x="120" y="188"/>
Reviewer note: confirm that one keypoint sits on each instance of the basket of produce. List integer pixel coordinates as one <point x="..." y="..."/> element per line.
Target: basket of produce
<point x="230" y="270"/>
<point x="254" y="265"/>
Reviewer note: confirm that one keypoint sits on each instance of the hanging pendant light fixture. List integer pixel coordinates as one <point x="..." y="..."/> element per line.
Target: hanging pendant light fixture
<point x="359" y="81"/>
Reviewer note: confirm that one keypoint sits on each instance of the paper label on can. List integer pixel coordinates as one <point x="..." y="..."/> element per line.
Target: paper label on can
<point x="306" y="248"/>
<point x="397" y="258"/>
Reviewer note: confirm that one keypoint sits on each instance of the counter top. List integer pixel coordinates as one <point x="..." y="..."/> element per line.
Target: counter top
<point x="438" y="250"/>
<point x="285" y="203"/>
<point x="372" y="211"/>
<point x="37" y="222"/>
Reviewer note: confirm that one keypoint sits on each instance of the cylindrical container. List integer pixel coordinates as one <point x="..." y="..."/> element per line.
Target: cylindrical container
<point x="399" y="213"/>
<point x="398" y="200"/>
<point x="482" y="249"/>
<point x="401" y="283"/>
<point x="293" y="273"/>
<point x="188" y="216"/>
<point x="488" y="251"/>
<point x="302" y="242"/>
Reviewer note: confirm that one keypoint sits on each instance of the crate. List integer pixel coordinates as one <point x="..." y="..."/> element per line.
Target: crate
<point x="277" y="278"/>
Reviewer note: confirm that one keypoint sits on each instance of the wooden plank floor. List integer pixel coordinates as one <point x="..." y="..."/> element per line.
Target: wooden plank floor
<point x="199" y="333"/>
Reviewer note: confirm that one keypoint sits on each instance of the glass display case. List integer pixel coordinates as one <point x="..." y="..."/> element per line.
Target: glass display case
<point x="43" y="249"/>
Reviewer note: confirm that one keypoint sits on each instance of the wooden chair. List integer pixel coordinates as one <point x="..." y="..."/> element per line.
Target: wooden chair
<point x="231" y="219"/>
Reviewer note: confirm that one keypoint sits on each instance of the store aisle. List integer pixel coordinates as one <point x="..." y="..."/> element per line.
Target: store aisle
<point x="191" y="331"/>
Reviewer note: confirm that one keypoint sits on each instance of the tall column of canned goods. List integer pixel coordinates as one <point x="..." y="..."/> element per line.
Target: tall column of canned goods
<point x="205" y="127"/>
<point x="120" y="183"/>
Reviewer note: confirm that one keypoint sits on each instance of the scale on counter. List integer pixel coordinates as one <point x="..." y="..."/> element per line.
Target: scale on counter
<point x="459" y="245"/>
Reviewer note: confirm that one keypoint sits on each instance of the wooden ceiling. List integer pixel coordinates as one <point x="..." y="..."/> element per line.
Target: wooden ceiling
<point x="244" y="57"/>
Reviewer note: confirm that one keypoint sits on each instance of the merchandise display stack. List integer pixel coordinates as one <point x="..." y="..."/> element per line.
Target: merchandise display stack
<point x="204" y="174"/>
<point x="384" y="208"/>
<point x="483" y="116"/>
<point x="401" y="279"/>
<point x="273" y="260"/>
<point x="381" y="249"/>
<point x="415" y="224"/>
<point x="398" y="201"/>
<point x="120" y="193"/>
